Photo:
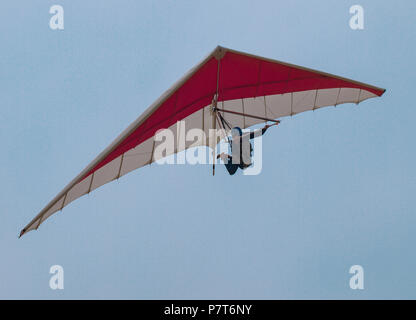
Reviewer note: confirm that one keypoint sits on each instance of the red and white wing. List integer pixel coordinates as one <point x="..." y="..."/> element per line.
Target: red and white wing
<point x="243" y="83"/>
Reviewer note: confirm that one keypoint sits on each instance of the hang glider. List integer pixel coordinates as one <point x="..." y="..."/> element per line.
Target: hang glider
<point x="244" y="89"/>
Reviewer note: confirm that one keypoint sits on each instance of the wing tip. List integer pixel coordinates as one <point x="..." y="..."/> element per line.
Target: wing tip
<point x="22" y="233"/>
<point x="380" y="92"/>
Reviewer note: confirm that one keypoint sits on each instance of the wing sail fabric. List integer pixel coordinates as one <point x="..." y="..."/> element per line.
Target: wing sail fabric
<point x="243" y="83"/>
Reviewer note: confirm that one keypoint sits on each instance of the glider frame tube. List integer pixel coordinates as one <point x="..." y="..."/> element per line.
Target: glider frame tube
<point x="248" y="115"/>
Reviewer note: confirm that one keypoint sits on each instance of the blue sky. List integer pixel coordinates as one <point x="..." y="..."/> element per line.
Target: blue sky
<point x="337" y="186"/>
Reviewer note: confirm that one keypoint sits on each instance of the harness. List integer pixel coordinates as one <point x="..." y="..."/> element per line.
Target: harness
<point x="225" y="124"/>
